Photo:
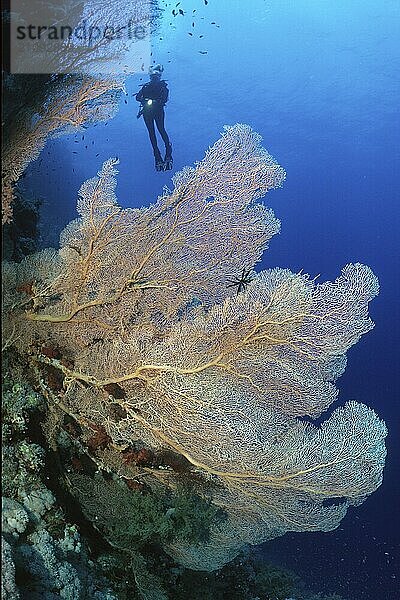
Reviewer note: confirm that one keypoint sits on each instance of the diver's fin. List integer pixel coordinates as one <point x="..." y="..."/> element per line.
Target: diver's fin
<point x="159" y="163"/>
<point x="168" y="164"/>
<point x="168" y="161"/>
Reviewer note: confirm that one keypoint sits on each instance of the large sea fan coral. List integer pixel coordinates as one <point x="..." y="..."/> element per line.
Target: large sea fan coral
<point x="136" y="301"/>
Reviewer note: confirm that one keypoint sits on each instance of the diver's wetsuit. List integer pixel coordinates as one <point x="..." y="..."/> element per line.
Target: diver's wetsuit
<point x="157" y="91"/>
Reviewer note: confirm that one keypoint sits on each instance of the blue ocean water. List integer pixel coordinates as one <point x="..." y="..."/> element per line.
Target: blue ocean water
<point x="319" y="80"/>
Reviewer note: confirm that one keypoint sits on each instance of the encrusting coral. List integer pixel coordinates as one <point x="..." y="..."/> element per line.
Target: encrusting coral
<point x="133" y="311"/>
<point x="43" y="556"/>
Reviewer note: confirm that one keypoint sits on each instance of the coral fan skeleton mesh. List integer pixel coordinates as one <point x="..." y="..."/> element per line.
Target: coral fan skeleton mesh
<point x="137" y="298"/>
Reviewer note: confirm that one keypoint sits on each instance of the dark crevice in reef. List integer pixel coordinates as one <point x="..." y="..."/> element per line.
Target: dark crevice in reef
<point x="21" y="235"/>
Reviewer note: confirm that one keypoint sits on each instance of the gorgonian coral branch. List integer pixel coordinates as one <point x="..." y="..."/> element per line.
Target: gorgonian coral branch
<point x="134" y="311"/>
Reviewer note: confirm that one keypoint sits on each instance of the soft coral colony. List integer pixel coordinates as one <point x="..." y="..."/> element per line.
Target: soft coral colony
<point x="131" y="330"/>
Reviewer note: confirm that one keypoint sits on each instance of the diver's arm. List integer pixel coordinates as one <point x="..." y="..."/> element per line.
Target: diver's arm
<point x="140" y="96"/>
<point x="164" y="93"/>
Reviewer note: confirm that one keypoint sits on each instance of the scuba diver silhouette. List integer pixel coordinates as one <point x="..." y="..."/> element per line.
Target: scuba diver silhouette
<point x="153" y="97"/>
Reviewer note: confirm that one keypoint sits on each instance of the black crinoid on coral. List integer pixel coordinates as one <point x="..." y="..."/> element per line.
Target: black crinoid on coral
<point x="221" y="379"/>
<point x="241" y="282"/>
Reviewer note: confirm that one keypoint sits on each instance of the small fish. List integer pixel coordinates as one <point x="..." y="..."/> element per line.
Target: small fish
<point x="203" y="52"/>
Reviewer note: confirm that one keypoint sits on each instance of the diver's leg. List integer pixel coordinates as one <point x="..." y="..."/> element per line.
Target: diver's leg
<point x="159" y="118"/>
<point x="149" y="120"/>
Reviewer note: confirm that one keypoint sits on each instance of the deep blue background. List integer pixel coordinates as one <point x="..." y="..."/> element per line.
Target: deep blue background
<point x="319" y="79"/>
